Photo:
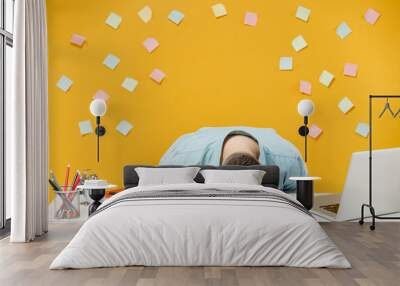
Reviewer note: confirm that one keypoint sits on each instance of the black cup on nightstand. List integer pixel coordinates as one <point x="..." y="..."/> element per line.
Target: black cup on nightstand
<point x="96" y="195"/>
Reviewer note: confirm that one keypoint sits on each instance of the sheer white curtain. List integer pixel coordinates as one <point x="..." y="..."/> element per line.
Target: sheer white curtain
<point x="26" y="123"/>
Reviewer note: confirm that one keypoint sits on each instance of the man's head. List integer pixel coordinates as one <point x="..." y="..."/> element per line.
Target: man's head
<point x="241" y="159"/>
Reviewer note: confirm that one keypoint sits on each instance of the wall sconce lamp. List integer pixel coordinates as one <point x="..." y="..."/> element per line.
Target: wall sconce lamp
<point x="98" y="108"/>
<point x="305" y="108"/>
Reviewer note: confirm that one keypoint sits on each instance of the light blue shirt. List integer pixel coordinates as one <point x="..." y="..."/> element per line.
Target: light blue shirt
<point x="204" y="147"/>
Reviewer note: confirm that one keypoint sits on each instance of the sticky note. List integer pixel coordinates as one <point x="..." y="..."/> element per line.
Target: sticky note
<point x="362" y="129"/>
<point x="299" y="43"/>
<point x="371" y="16"/>
<point x="176" y="16"/>
<point x="150" y="44"/>
<point x="250" y="19"/>
<point x="286" y="63"/>
<point x="305" y="87"/>
<point x="111" y="61"/>
<point x="113" y="20"/>
<point x="314" y="131"/>
<point x="85" y="127"/>
<point x="345" y="105"/>
<point x="219" y="10"/>
<point x="350" y="69"/>
<point x="77" y="40"/>
<point x="145" y="14"/>
<point x="303" y="13"/>
<point x="101" y="94"/>
<point x="343" y="30"/>
<point x="326" y="78"/>
<point x="157" y="75"/>
<point x="129" y="84"/>
<point x="124" y="127"/>
<point x="64" y="83"/>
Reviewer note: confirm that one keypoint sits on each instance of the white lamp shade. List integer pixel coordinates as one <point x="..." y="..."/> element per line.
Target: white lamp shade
<point x="305" y="107"/>
<point x="98" y="107"/>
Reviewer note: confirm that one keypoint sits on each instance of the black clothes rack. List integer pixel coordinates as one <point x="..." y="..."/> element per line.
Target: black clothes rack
<point x="370" y="204"/>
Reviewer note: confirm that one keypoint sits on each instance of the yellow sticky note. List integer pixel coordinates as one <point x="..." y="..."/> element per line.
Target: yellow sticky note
<point x="219" y="10"/>
<point x="145" y="14"/>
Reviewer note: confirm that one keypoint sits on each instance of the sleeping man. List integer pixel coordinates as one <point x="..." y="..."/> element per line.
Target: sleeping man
<point x="238" y="146"/>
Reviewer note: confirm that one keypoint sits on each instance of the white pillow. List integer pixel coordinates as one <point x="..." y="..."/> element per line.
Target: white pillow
<point x="248" y="177"/>
<point x="166" y="176"/>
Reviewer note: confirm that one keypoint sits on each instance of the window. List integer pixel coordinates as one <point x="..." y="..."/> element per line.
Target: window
<point x="6" y="62"/>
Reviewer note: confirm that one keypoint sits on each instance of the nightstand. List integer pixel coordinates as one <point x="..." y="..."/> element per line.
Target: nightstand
<point x="305" y="190"/>
<point x="96" y="194"/>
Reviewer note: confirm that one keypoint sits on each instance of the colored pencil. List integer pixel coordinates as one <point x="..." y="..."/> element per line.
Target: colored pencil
<point x="67" y="177"/>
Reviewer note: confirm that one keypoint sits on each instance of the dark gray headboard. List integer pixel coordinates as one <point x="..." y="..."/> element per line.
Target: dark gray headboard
<point x="270" y="179"/>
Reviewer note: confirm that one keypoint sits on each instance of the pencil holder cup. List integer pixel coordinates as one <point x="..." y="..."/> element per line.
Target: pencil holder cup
<point x="67" y="204"/>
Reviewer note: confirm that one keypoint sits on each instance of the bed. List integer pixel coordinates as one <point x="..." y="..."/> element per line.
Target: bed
<point x="198" y="224"/>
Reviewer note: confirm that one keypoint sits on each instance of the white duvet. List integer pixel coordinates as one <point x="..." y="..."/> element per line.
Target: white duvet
<point x="200" y="231"/>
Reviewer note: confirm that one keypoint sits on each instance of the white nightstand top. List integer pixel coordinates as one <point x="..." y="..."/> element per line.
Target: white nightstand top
<point x="85" y="187"/>
<point x="305" y="178"/>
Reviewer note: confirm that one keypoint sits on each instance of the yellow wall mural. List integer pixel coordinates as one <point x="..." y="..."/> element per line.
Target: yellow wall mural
<point x="219" y="72"/>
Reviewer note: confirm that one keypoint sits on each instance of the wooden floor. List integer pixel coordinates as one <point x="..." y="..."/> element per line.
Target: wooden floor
<point x="375" y="257"/>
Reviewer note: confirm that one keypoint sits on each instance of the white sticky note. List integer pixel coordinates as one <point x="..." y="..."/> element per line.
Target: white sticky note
<point x="113" y="20"/>
<point x="145" y="14"/>
<point x="111" y="61"/>
<point x="219" y="10"/>
<point x="176" y="16"/>
<point x="303" y="13"/>
<point x="85" y="127"/>
<point x="64" y="83"/>
<point x="129" y="84"/>
<point x="326" y="78"/>
<point x="124" y="127"/>
<point x="299" y="43"/>
<point x="286" y="63"/>
<point x="343" y="30"/>
<point x="345" y="105"/>
<point x="362" y="129"/>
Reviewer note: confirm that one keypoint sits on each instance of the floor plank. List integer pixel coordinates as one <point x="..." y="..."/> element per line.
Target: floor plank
<point x="375" y="257"/>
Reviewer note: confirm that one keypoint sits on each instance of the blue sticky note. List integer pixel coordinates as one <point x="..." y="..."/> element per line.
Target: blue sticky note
<point x="343" y="30"/>
<point x="286" y="63"/>
<point x="64" y="83"/>
<point x="176" y="16"/>
<point x="130" y="84"/>
<point x="124" y="127"/>
<point x="299" y="43"/>
<point x="345" y="105"/>
<point x="85" y="127"/>
<point x="113" y="20"/>
<point x="362" y="129"/>
<point x="303" y="13"/>
<point x="111" y="61"/>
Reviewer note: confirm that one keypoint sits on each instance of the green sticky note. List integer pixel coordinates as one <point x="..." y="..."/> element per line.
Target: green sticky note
<point x="326" y="78"/>
<point x="303" y="13"/>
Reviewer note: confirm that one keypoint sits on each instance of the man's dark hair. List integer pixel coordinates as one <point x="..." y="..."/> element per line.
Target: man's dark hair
<point x="241" y="159"/>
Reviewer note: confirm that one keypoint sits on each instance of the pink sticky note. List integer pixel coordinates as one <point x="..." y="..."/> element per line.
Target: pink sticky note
<point x="314" y="131"/>
<point x="78" y="40"/>
<point x="157" y="75"/>
<point x="305" y="87"/>
<point x="150" y="44"/>
<point x="250" y="19"/>
<point x="371" y="16"/>
<point x="350" y="69"/>
<point x="101" y="94"/>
